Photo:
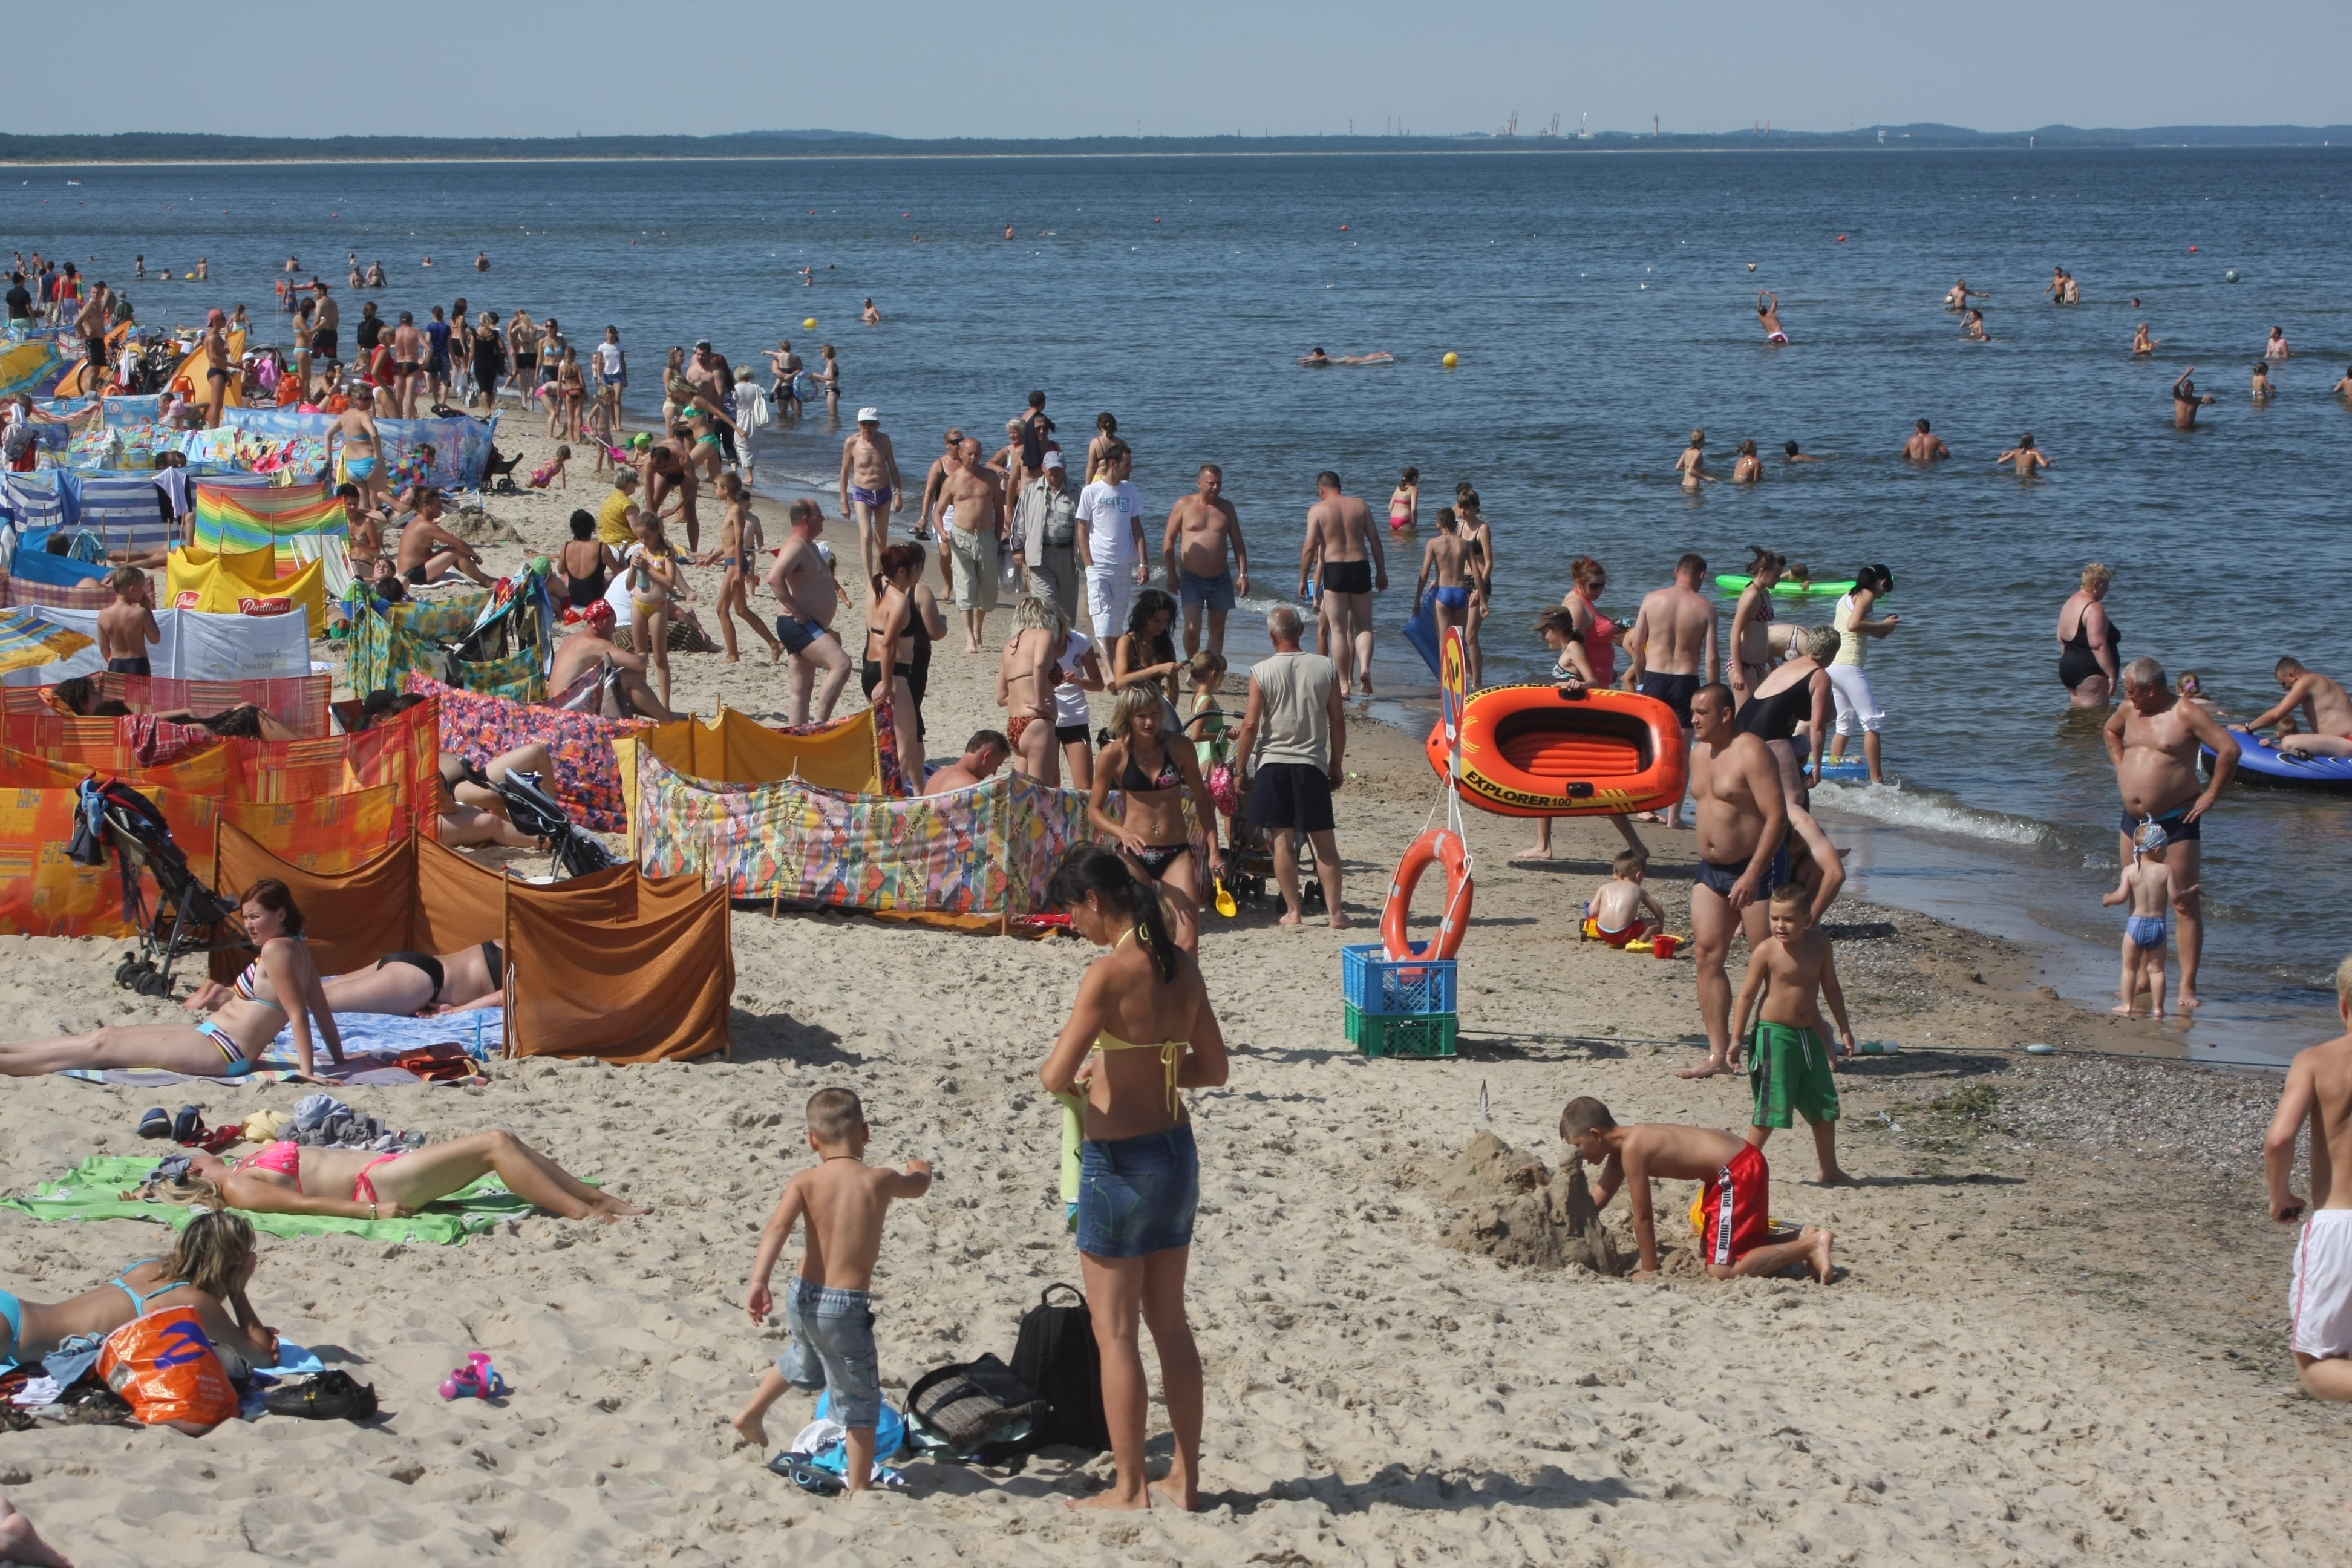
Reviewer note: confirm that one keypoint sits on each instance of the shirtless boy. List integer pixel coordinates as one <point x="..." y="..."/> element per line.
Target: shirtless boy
<point x="2319" y="1093"/>
<point x="2326" y="713"/>
<point x="1339" y="534"/>
<point x="2028" y="459"/>
<point x="806" y="600"/>
<point x="870" y="483"/>
<point x="1207" y="563"/>
<point x="1671" y="649"/>
<point x="1925" y="446"/>
<point x="127" y="629"/>
<point x="1738" y="1239"/>
<point x="2153" y="740"/>
<point x="1790" y="1065"/>
<point x="1617" y="908"/>
<point x="430" y="552"/>
<point x="1767" y="312"/>
<point x="1446" y="565"/>
<point x="827" y="1308"/>
<point x="2150" y="887"/>
<point x="1025" y="683"/>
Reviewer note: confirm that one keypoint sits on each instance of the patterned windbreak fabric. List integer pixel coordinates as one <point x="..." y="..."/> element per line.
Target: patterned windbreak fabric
<point x="587" y="779"/>
<point x="299" y="702"/>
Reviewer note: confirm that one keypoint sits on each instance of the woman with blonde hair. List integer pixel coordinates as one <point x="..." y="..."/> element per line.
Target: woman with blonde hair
<point x="2089" y="644"/>
<point x="361" y="1184"/>
<point x="228" y="1043"/>
<point x="1752" y="623"/>
<point x="1153" y="768"/>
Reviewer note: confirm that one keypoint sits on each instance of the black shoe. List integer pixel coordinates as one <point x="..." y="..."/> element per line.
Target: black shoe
<point x="188" y="1127"/>
<point x="156" y="1123"/>
<point x="333" y="1395"/>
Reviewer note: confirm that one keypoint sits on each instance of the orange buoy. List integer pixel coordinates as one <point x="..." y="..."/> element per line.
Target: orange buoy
<point x="1438" y="847"/>
<point x="1547" y="751"/>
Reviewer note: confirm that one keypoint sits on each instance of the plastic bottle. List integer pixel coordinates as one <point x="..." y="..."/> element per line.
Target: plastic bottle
<point x="1878" y="1048"/>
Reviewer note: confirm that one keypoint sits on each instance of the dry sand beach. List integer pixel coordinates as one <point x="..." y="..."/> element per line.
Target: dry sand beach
<point x="2058" y="1335"/>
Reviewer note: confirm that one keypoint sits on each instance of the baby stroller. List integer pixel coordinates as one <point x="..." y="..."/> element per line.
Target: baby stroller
<point x="188" y="917"/>
<point x="534" y="810"/>
<point x="1249" y="865"/>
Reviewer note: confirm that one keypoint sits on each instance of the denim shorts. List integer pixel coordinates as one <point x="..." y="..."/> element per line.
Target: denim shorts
<point x="1137" y="1196"/>
<point x="1215" y="592"/>
<point x="832" y="1349"/>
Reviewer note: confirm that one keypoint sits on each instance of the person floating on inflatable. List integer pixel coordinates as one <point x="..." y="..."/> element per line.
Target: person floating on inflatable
<point x="1614" y="914"/>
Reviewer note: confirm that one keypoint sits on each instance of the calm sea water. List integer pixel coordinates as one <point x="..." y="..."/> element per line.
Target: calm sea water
<point x="1600" y="306"/>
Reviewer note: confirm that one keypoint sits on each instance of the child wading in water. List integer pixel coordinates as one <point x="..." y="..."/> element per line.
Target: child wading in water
<point x="1616" y="908"/>
<point x="739" y="544"/>
<point x="827" y="1307"/>
<point x="2150" y="888"/>
<point x="1789" y="1064"/>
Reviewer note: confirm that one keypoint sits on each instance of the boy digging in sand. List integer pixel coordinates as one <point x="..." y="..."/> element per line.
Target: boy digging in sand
<point x="1789" y="1064"/>
<point x="1738" y="1239"/>
<point x="1617" y="908"/>
<point x="2319" y="1091"/>
<point x="827" y="1308"/>
<point x="2148" y="883"/>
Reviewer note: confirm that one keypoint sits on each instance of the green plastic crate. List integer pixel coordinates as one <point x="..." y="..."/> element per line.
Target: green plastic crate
<point x="1428" y="1036"/>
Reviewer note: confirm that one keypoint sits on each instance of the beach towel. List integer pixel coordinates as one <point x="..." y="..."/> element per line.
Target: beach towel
<point x="93" y="1190"/>
<point x="234" y="520"/>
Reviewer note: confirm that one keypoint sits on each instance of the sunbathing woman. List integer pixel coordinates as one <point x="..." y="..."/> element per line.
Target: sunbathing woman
<point x="360" y="1184"/>
<point x="402" y="985"/>
<point x="1152" y="767"/>
<point x="223" y="1045"/>
<point x="210" y="1264"/>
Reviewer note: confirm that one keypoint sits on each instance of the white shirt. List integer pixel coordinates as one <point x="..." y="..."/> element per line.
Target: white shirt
<point x="1070" y="701"/>
<point x="1109" y="512"/>
<point x="608" y="358"/>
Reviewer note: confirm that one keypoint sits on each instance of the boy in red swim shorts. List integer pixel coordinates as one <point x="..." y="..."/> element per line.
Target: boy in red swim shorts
<point x="1618" y="905"/>
<point x="1739" y="1239"/>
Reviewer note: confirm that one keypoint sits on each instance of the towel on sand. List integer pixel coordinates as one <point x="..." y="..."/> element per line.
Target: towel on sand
<point x="93" y="1190"/>
<point x="370" y="1041"/>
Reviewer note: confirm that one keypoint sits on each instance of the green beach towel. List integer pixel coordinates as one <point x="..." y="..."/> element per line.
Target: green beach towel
<point x="93" y="1190"/>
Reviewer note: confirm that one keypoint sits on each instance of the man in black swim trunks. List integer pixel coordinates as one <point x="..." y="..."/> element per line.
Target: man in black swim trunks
<point x="325" y="337"/>
<point x="1339" y="533"/>
<point x="2153" y="738"/>
<point x="1672" y="648"/>
<point x="1742" y="817"/>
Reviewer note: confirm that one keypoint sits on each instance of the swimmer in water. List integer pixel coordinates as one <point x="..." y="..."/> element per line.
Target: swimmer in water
<point x="1319" y="359"/>
<point x="2026" y="455"/>
<point x="1691" y="464"/>
<point x="1925" y="447"/>
<point x="2142" y="344"/>
<point x="1957" y="300"/>
<point x="2186" y="401"/>
<point x="1974" y="327"/>
<point x="2344" y="388"/>
<point x="1749" y="469"/>
<point x="2262" y="388"/>
<point x="1768" y="310"/>
<point x="1316" y="358"/>
<point x="2276" y="348"/>
<point x="1796" y="455"/>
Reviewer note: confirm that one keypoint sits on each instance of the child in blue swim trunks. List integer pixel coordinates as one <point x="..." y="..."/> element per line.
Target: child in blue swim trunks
<point x="2150" y="888"/>
<point x="828" y="1308"/>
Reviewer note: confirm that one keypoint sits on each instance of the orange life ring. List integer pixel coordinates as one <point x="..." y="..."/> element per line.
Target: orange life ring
<point x="1546" y="750"/>
<point x="1442" y="847"/>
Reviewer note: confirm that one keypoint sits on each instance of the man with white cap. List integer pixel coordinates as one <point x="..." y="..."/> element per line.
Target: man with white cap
<point x="1045" y="522"/>
<point x="870" y="483"/>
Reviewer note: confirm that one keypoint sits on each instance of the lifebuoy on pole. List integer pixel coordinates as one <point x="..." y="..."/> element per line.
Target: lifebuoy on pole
<point x="1441" y="847"/>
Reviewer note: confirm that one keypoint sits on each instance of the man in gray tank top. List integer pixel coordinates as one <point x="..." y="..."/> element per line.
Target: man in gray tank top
<point x="1295" y="732"/>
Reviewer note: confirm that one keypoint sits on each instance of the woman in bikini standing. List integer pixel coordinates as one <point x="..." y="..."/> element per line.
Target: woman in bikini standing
<point x="1479" y="535"/>
<point x="1145" y="654"/>
<point x="892" y="632"/>
<point x="1751" y="622"/>
<point x="1151" y="765"/>
<point x="2088" y="642"/>
<point x="228" y="1044"/>
<point x="219" y="365"/>
<point x="652" y="573"/>
<point x="1143" y="1021"/>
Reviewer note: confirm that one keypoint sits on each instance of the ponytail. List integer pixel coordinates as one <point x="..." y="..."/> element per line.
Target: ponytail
<point x="1092" y="868"/>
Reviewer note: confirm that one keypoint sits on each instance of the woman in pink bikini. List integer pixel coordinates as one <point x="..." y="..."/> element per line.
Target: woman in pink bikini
<point x="360" y="1183"/>
<point x="228" y="1044"/>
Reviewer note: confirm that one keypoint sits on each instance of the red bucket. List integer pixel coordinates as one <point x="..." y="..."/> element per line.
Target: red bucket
<point x="1663" y="946"/>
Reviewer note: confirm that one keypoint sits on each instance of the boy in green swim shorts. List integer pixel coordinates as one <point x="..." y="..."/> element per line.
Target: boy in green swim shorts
<point x="1789" y="1064"/>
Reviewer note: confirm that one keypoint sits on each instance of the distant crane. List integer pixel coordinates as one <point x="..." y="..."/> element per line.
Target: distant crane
<point x="1511" y="125"/>
<point x="1584" y="127"/>
<point x="1553" y="128"/>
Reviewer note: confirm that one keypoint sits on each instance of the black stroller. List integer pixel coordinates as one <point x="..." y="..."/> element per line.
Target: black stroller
<point x="534" y="810"/>
<point x="188" y="918"/>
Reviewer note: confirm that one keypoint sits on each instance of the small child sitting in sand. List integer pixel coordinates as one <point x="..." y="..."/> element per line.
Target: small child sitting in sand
<point x="2148" y="884"/>
<point x="1790" y="1065"/>
<point x="1616" y="910"/>
<point x="827" y="1308"/>
<point x="553" y="471"/>
<point x="1738" y="1238"/>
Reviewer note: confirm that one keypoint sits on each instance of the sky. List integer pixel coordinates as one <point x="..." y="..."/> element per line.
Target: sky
<point x="923" y="68"/>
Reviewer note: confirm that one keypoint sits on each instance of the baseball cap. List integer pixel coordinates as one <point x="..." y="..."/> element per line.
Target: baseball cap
<point x="869" y="416"/>
<point x="700" y="345"/>
<point x="1054" y="460"/>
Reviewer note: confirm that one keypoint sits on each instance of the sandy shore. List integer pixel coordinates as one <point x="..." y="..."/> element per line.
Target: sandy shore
<point x="2059" y="1335"/>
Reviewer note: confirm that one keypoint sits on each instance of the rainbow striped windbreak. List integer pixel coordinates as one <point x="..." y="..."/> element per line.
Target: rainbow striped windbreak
<point x="236" y="519"/>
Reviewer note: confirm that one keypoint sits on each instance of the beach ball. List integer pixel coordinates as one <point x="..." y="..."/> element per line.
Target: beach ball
<point x="1841" y="240"/>
<point x="2192" y="249"/>
<point x="1751" y="267"/>
<point x="809" y="323"/>
<point x="1451" y="359"/>
<point x="2230" y="276"/>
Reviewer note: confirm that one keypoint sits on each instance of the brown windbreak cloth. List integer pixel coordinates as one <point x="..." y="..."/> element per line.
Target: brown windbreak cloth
<point x="610" y="965"/>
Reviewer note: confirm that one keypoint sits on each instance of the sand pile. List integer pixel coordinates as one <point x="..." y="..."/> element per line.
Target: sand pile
<point x="1515" y="1210"/>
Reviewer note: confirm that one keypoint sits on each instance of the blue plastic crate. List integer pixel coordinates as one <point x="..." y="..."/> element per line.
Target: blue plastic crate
<point x="1381" y="986"/>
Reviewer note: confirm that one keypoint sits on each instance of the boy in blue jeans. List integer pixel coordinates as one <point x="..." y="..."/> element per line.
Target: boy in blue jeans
<point x="1790" y="1065"/>
<point x="827" y="1308"/>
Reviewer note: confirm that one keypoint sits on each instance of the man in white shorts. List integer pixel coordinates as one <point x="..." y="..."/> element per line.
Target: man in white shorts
<point x="1110" y="542"/>
<point x="2319" y="1303"/>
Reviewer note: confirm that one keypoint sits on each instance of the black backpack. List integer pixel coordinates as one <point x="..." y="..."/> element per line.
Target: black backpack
<point x="1056" y="1356"/>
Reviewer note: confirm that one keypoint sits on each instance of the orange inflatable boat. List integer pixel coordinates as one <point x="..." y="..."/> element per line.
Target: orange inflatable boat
<point x="1542" y="751"/>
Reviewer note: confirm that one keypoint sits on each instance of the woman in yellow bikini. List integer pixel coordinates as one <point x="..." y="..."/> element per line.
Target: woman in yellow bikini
<point x="1142" y="1030"/>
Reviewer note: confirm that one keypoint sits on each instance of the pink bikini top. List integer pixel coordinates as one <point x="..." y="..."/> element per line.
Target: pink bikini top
<point x="284" y="1157"/>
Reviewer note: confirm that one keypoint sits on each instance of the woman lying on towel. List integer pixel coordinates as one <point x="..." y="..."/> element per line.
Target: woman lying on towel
<point x="78" y="696"/>
<point x="360" y="1183"/>
<point x="210" y="1264"/>
<point x="402" y="985"/>
<point x="228" y="1044"/>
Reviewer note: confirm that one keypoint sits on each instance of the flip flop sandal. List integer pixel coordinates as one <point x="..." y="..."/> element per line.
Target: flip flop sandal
<point x="797" y="1469"/>
<point x="156" y="1123"/>
<point x="188" y="1126"/>
<point x="221" y="1138"/>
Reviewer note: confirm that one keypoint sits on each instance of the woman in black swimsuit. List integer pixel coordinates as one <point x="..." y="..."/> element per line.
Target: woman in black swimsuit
<point x="1152" y="766"/>
<point x="1795" y="693"/>
<point x="892" y="634"/>
<point x="2089" y="644"/>
<point x="586" y="563"/>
